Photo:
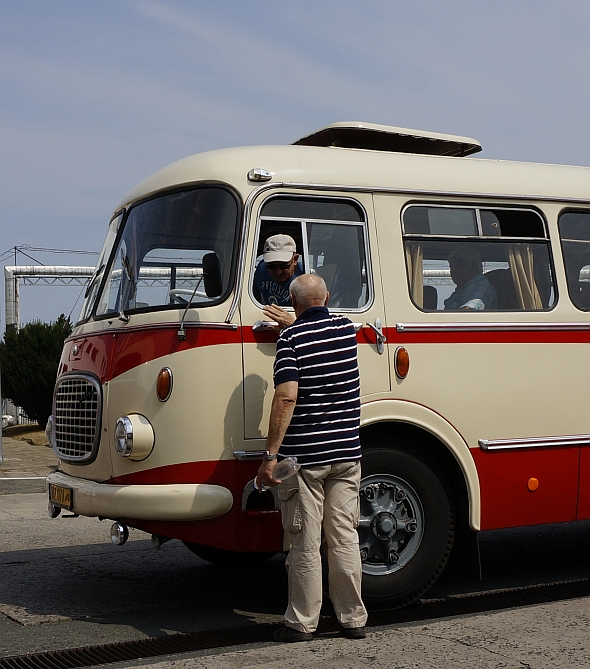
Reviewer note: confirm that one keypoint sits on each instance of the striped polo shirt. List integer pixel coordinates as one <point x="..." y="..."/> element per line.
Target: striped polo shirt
<point x="319" y="352"/>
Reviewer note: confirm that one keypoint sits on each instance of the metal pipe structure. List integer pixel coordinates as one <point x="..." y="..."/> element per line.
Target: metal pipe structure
<point x="53" y="275"/>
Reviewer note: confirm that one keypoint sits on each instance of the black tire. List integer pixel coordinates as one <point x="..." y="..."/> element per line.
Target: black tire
<point x="228" y="558"/>
<point x="407" y="524"/>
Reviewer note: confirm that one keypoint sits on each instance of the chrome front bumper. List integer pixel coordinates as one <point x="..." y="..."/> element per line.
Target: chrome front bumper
<point x="182" y="501"/>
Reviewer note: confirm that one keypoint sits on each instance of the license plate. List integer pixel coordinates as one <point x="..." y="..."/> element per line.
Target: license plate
<point x="61" y="496"/>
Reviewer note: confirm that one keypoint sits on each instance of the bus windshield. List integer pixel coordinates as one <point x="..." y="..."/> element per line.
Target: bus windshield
<point x="158" y="261"/>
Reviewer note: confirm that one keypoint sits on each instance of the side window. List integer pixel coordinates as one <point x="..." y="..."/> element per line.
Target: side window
<point x="476" y="259"/>
<point x="574" y="231"/>
<point x="329" y="239"/>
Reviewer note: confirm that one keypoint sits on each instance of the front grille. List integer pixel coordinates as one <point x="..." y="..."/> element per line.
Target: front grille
<point x="76" y="417"/>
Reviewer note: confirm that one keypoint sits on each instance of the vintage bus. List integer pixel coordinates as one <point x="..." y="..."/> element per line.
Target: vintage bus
<point x="474" y="414"/>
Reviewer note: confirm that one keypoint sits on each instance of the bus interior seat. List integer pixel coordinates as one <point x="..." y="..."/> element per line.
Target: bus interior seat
<point x="502" y="281"/>
<point x="429" y="298"/>
<point x="327" y="273"/>
<point x="344" y="287"/>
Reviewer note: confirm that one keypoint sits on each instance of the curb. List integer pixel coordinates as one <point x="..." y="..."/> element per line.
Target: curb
<point x="29" y="484"/>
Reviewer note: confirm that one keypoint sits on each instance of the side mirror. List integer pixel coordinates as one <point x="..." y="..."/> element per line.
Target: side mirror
<point x="212" y="275"/>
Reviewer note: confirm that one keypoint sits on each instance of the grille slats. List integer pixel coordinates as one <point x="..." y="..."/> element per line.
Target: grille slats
<point x="76" y="417"/>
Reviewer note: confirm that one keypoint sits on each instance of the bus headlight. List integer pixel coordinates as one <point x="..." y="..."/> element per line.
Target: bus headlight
<point x="134" y="437"/>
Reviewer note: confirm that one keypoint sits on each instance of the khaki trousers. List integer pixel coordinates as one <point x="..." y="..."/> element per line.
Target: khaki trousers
<point x="323" y="497"/>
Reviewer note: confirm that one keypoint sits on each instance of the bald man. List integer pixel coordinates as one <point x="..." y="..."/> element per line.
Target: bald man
<point x="315" y="417"/>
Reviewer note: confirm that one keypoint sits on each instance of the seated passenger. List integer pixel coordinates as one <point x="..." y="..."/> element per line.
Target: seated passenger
<point x="474" y="292"/>
<point x="274" y="274"/>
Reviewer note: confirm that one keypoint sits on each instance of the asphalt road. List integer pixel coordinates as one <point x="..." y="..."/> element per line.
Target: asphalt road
<point x="64" y="584"/>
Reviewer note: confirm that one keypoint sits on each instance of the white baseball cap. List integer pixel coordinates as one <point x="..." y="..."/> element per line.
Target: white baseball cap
<point x="279" y="248"/>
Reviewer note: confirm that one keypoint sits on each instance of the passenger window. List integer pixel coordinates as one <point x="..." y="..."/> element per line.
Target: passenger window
<point x="329" y="237"/>
<point x="486" y="267"/>
<point x="574" y="230"/>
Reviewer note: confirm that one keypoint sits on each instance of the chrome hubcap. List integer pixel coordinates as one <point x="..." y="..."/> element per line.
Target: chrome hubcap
<point x="391" y="523"/>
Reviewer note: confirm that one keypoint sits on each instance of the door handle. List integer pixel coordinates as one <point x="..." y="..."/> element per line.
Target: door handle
<point x="379" y="335"/>
<point x="264" y="326"/>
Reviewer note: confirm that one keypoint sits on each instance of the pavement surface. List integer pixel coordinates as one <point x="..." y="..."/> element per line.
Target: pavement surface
<point x="550" y="635"/>
<point x="63" y="584"/>
<point x="25" y="465"/>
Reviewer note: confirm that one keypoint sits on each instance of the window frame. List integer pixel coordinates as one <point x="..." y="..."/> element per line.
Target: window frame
<point x="364" y="222"/>
<point x="570" y="210"/>
<point x="479" y="238"/>
<point x="121" y="229"/>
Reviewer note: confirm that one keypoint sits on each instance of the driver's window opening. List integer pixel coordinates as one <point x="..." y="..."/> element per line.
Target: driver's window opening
<point x="330" y="240"/>
<point x="476" y="259"/>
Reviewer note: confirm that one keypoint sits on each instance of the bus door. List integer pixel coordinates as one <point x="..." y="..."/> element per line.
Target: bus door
<point x="335" y="238"/>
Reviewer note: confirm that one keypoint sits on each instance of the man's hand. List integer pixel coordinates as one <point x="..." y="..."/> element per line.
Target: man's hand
<point x="282" y="317"/>
<point x="264" y="475"/>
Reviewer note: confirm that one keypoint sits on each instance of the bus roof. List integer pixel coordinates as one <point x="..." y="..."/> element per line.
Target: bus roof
<point x="372" y="170"/>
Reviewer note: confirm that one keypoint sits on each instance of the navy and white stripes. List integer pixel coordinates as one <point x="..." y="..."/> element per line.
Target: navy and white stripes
<point x="319" y="352"/>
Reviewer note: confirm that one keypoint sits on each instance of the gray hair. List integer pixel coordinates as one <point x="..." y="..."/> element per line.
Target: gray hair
<point x="309" y="290"/>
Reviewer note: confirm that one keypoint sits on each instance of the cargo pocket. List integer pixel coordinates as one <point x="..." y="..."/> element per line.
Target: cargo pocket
<point x="291" y="515"/>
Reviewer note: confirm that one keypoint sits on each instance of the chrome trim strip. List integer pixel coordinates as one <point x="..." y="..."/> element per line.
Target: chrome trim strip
<point x="490" y="327"/>
<point x="157" y="326"/>
<point x="533" y="442"/>
<point x="437" y="193"/>
<point x="244" y="456"/>
<point x="243" y="239"/>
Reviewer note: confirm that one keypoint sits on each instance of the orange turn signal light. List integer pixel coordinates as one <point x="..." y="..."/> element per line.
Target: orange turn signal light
<point x="164" y="384"/>
<point x="532" y="484"/>
<point x="401" y="362"/>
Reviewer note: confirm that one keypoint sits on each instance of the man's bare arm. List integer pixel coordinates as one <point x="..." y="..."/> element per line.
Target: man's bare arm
<point x="283" y="405"/>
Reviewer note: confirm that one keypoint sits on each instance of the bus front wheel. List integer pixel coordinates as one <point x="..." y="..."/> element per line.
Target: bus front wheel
<point x="406" y="526"/>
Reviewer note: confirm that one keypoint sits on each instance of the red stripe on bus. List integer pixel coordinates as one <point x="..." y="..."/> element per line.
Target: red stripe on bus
<point x="489" y="337"/>
<point x="108" y="355"/>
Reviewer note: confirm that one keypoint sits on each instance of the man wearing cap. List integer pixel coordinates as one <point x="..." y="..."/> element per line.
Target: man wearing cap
<point x="273" y="276"/>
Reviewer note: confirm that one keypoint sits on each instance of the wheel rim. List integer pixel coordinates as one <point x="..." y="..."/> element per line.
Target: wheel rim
<point x="391" y="524"/>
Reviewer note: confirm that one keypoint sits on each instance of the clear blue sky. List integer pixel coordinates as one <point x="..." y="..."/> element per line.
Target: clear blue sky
<point x="94" y="96"/>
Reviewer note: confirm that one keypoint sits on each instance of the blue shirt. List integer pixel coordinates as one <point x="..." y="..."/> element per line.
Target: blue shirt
<point x="269" y="291"/>
<point x="477" y="294"/>
<point x="319" y="351"/>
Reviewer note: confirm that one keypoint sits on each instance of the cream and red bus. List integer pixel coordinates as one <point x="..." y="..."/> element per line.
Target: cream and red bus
<point x="472" y="418"/>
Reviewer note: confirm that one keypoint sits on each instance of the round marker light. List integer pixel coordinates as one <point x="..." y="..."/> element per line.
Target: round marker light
<point x="401" y="362"/>
<point x="164" y="384"/>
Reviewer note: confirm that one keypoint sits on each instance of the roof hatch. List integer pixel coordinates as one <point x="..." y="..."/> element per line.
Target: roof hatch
<point x="355" y="135"/>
